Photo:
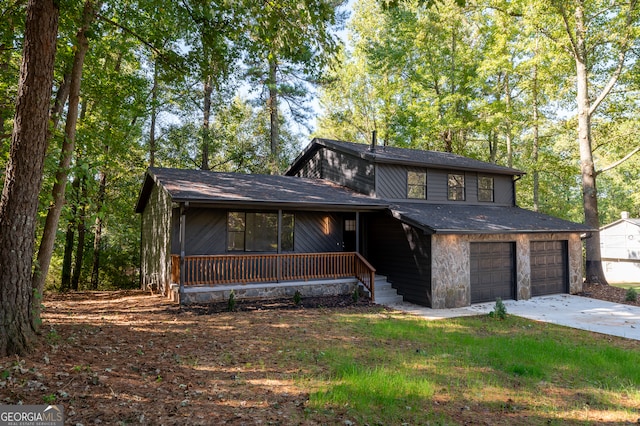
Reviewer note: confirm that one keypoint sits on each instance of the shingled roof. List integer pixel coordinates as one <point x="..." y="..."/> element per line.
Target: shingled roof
<point x="479" y="219"/>
<point x="207" y="187"/>
<point x="401" y="156"/>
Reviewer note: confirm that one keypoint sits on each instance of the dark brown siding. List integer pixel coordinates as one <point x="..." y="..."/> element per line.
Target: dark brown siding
<point x="403" y="254"/>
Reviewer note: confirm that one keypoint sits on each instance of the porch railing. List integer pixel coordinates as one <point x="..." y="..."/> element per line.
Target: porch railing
<point x="259" y="268"/>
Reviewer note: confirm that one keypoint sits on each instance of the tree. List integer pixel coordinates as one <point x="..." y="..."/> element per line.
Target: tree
<point x="53" y="215"/>
<point x="23" y="178"/>
<point x="289" y="44"/>
<point x="613" y="29"/>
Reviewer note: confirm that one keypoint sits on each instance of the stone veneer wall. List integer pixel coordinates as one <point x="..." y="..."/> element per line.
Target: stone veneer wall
<point x="451" y="265"/>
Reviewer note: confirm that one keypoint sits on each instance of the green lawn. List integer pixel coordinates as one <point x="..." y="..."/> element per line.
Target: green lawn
<point x="627" y="285"/>
<point x="393" y="369"/>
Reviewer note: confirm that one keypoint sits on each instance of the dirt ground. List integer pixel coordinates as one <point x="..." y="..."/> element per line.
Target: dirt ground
<point x="117" y="358"/>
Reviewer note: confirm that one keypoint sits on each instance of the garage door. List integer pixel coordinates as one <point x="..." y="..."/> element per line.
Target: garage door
<point x="548" y="267"/>
<point x="492" y="271"/>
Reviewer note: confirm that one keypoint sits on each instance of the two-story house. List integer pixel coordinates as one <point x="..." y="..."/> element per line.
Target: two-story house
<point x="444" y="229"/>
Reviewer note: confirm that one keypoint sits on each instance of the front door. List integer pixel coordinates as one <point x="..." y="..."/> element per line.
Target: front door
<point x="349" y="234"/>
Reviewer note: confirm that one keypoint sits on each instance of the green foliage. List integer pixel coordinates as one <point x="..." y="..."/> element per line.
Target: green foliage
<point x="631" y="295"/>
<point x="355" y="296"/>
<point x="49" y="399"/>
<point x="499" y="311"/>
<point x="231" y="302"/>
<point x="297" y="298"/>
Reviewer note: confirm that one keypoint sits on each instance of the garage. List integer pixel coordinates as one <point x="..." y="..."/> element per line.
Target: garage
<point x="548" y="267"/>
<point x="492" y="271"/>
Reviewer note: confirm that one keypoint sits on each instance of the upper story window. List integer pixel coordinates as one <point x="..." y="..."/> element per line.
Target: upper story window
<point x="258" y="232"/>
<point x="485" y="189"/>
<point x="417" y="185"/>
<point x="455" y="183"/>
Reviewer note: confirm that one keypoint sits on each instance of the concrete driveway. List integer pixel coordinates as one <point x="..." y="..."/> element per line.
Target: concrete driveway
<point x="563" y="309"/>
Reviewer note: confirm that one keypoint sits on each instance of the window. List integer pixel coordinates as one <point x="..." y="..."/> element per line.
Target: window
<point x="417" y="185"/>
<point x="455" y="187"/>
<point x="258" y="232"/>
<point x="350" y="225"/>
<point x="485" y="188"/>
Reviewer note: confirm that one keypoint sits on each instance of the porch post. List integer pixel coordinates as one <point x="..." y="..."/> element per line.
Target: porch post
<point x="183" y="223"/>
<point x="357" y="232"/>
<point x="279" y="258"/>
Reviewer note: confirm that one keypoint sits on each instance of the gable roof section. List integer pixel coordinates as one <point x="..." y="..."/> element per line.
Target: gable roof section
<point x="635" y="222"/>
<point x="465" y="219"/>
<point x="401" y="156"/>
<point x="207" y="187"/>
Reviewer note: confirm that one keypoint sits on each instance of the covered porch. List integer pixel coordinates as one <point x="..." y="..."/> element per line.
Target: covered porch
<point x="192" y="274"/>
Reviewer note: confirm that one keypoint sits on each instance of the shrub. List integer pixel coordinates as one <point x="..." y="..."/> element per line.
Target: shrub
<point x="499" y="311"/>
<point x="231" y="303"/>
<point x="297" y="297"/>
<point x="632" y="295"/>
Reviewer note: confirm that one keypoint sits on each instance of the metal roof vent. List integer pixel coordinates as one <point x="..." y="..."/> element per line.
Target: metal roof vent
<point x="624" y="215"/>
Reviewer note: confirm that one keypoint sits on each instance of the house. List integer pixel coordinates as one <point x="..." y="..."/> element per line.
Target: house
<point x="620" y="250"/>
<point x="444" y="229"/>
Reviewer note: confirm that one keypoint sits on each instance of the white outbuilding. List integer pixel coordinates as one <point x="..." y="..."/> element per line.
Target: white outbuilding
<point x="620" y="249"/>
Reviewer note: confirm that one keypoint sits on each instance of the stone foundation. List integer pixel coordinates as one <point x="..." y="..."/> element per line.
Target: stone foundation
<point x="264" y="291"/>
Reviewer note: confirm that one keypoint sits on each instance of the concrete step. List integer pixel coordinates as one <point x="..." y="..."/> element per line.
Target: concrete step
<point x="385" y="293"/>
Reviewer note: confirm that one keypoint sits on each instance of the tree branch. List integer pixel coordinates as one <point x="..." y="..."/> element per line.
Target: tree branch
<point x="624" y="48"/>
<point x="620" y="161"/>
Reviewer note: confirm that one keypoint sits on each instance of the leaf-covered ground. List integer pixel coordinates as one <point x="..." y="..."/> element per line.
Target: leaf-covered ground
<point x="133" y="358"/>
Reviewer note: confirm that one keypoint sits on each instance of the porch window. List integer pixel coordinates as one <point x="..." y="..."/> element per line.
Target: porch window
<point x="485" y="188"/>
<point x="417" y="185"/>
<point x="455" y="187"/>
<point x="258" y="232"/>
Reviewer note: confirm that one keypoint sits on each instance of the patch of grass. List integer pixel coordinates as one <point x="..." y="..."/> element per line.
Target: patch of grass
<point x="632" y="295"/>
<point x="626" y="286"/>
<point x="397" y="367"/>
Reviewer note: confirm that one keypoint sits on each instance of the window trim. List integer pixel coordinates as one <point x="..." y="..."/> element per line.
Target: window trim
<point x="482" y="190"/>
<point x="422" y="186"/>
<point x="278" y="232"/>
<point x="459" y="188"/>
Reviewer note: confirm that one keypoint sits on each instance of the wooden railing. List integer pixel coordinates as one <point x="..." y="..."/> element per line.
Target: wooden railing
<point x="258" y="268"/>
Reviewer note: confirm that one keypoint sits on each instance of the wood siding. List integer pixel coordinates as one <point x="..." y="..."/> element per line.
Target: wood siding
<point x="312" y="168"/>
<point x="403" y="254"/>
<point x="206" y="232"/>
<point x="155" y="244"/>
<point x="392" y="184"/>
<point x="313" y="235"/>
<point x="349" y="171"/>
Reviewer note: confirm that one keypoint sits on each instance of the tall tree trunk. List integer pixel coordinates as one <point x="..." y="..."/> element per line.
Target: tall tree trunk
<point x="536" y="133"/>
<point x="61" y="99"/>
<point x="53" y="215"/>
<point x="97" y="240"/>
<point x="272" y="106"/>
<point x="206" y="136"/>
<point x="82" y="230"/>
<point x="594" y="272"/>
<point x="23" y="178"/>
<point x="507" y="124"/>
<point x="154" y="116"/>
<point x="65" y="279"/>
